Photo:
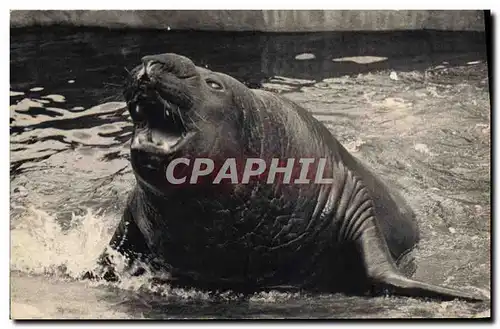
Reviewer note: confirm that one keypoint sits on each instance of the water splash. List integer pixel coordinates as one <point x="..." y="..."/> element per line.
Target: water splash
<point x="40" y="245"/>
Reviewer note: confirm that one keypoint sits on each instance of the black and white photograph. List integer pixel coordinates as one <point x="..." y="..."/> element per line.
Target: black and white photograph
<point x="250" y="164"/>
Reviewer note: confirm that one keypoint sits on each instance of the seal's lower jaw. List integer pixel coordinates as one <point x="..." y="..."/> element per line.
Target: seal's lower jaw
<point x="151" y="151"/>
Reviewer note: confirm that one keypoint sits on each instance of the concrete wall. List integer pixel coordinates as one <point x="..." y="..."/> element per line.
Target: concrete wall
<point x="257" y="20"/>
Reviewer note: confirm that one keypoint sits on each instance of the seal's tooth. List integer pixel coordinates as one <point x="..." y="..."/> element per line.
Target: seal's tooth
<point x="142" y="137"/>
<point x="137" y="142"/>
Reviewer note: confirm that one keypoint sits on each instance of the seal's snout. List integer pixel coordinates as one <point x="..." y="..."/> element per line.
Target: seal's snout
<point x="180" y="66"/>
<point x="159" y="97"/>
<point x="159" y="89"/>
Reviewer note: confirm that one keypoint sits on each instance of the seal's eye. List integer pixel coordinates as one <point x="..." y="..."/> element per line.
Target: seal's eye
<point x="213" y="84"/>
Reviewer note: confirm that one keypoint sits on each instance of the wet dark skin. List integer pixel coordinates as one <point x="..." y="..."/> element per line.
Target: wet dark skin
<point x="353" y="235"/>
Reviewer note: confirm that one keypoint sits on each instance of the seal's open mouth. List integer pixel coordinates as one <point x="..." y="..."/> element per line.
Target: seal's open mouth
<point x="160" y="127"/>
<point x="159" y="102"/>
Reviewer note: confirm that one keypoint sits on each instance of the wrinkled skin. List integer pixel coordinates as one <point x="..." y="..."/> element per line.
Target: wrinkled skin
<point x="353" y="236"/>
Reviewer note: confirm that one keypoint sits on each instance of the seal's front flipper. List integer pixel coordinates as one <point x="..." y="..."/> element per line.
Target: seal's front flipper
<point x="384" y="276"/>
<point x="128" y="239"/>
<point x="128" y="244"/>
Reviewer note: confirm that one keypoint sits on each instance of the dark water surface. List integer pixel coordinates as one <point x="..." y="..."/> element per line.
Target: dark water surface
<point x="413" y="105"/>
<point x="97" y="59"/>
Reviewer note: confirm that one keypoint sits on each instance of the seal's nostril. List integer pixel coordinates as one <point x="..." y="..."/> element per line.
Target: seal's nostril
<point x="148" y="69"/>
<point x="178" y="65"/>
<point x="150" y="58"/>
<point x="151" y="66"/>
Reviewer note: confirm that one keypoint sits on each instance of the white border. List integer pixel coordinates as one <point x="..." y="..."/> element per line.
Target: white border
<point x="256" y="4"/>
<point x="260" y="4"/>
<point x="5" y="169"/>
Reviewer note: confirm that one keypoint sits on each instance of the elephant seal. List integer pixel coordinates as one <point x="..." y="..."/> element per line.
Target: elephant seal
<point x="350" y="235"/>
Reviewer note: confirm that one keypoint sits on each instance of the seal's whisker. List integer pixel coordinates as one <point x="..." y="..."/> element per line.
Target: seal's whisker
<point x="196" y="98"/>
<point x="112" y="84"/>
<point x="180" y="117"/>
<point x="201" y="118"/>
<point x="111" y="98"/>
<point x="173" y="116"/>
<point x="194" y="123"/>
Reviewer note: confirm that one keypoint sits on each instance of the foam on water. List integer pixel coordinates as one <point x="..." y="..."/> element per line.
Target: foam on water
<point x="272" y="296"/>
<point x="40" y="245"/>
<point x="48" y="261"/>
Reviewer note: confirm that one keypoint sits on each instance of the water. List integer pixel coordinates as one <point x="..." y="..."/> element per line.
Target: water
<point x="426" y="131"/>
